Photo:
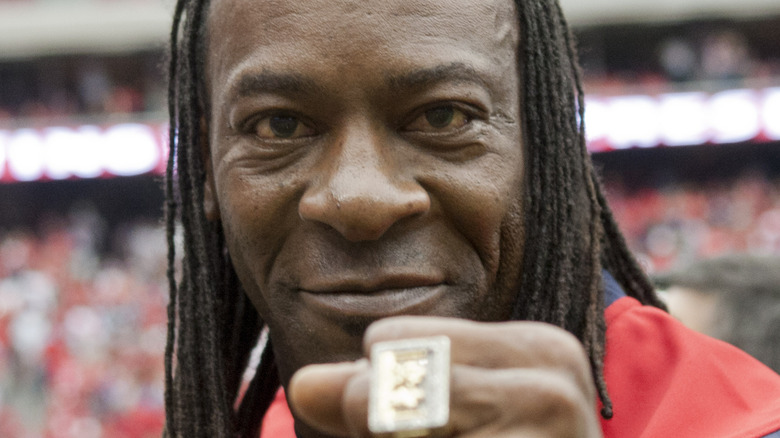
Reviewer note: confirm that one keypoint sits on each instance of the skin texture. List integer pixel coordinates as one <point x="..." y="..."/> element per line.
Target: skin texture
<point x="370" y="205"/>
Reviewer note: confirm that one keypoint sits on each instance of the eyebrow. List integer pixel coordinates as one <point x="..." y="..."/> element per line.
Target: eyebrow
<point x="294" y="83"/>
<point x="268" y="82"/>
<point x="455" y="72"/>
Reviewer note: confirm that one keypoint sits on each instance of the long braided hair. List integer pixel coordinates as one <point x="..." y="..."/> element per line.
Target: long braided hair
<point x="572" y="235"/>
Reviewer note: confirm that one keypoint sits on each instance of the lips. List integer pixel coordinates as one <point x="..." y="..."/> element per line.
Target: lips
<point x="375" y="298"/>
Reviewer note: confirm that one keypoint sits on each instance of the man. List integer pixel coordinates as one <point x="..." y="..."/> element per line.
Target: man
<point x="734" y="298"/>
<point x="339" y="164"/>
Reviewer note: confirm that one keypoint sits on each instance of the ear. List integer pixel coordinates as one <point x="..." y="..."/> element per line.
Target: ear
<point x="210" y="201"/>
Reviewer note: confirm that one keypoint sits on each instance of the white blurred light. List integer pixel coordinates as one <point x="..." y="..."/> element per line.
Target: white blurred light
<point x="131" y="149"/>
<point x="734" y="116"/>
<point x="3" y="140"/>
<point x="596" y="119"/>
<point x="634" y="121"/>
<point x="771" y="113"/>
<point x="25" y="149"/>
<point x="70" y="152"/>
<point x="89" y="151"/>
<point x="84" y="152"/>
<point x="58" y="154"/>
<point x="683" y="119"/>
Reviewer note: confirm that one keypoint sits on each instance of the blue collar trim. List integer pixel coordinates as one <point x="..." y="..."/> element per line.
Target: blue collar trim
<point x="612" y="289"/>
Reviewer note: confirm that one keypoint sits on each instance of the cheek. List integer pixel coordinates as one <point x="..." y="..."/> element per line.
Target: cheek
<point x="479" y="199"/>
<point x="512" y="249"/>
<point x="255" y="221"/>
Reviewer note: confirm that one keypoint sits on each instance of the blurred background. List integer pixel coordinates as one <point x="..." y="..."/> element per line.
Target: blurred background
<point x="683" y="119"/>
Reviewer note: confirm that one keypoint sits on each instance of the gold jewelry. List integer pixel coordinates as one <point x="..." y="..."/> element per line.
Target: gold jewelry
<point x="410" y="387"/>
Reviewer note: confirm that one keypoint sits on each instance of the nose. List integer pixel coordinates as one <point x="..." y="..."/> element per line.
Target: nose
<point x="361" y="192"/>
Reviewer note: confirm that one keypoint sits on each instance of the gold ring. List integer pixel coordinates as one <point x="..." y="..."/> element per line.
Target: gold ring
<point x="410" y="387"/>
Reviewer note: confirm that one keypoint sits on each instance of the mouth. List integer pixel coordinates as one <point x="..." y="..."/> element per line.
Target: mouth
<point x="381" y="299"/>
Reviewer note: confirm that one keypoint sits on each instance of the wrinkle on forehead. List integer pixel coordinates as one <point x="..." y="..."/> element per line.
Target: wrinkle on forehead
<point x="385" y="16"/>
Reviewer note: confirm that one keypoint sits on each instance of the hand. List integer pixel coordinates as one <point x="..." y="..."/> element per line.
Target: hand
<point x="518" y="379"/>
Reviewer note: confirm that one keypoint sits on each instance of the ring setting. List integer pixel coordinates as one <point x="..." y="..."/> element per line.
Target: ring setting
<point x="409" y="394"/>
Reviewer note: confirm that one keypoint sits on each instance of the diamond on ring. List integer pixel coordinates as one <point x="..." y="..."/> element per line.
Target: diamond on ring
<point x="410" y="386"/>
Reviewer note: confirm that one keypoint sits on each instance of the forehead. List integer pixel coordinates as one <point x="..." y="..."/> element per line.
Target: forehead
<point x="310" y="35"/>
<point x="278" y="15"/>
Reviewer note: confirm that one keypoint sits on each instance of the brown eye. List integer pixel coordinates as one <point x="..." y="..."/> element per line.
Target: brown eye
<point x="439" y="119"/>
<point x="282" y="127"/>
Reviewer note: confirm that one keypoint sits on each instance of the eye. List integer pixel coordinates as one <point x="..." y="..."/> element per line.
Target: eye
<point x="441" y="118"/>
<point x="282" y="127"/>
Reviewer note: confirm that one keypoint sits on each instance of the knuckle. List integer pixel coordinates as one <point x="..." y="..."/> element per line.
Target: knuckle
<point x="576" y="362"/>
<point x="568" y="411"/>
<point x="561" y="404"/>
<point x="563" y="397"/>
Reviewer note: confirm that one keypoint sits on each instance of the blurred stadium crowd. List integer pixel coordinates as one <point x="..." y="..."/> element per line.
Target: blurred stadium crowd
<point x="82" y="329"/>
<point x="81" y="333"/>
<point x="84" y="86"/>
<point x="688" y="56"/>
<point x="672" y="226"/>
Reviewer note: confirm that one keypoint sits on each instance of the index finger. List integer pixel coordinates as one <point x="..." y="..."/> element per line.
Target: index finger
<point x="316" y="394"/>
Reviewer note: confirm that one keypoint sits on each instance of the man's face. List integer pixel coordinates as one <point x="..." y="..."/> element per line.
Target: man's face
<point x="365" y="161"/>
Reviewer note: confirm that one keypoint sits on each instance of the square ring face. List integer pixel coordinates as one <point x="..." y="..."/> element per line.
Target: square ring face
<point x="410" y="386"/>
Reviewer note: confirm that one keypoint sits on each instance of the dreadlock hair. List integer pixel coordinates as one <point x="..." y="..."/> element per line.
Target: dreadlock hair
<point x="571" y="234"/>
